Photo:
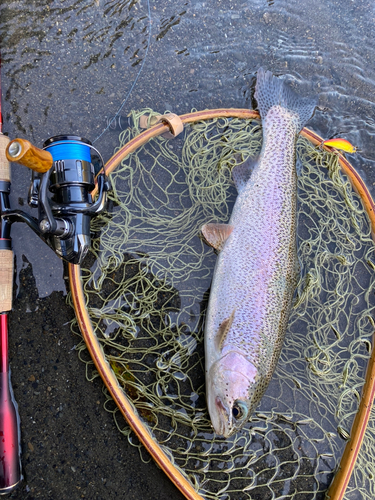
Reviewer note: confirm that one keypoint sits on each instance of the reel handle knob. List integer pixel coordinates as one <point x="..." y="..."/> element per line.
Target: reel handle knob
<point x="23" y="152"/>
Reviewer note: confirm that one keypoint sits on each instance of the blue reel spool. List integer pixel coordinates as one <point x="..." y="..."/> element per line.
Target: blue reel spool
<point x="72" y="169"/>
<point x="68" y="148"/>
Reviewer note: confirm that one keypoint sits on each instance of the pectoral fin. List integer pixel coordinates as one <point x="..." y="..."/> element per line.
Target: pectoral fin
<point x="216" y="234"/>
<point x="223" y="330"/>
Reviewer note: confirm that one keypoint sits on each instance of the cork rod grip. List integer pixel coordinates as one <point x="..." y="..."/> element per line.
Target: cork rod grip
<point x="4" y="163"/>
<point x="22" y="151"/>
<point x="6" y="280"/>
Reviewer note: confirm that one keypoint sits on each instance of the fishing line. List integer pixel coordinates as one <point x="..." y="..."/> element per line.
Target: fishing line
<point x="136" y="78"/>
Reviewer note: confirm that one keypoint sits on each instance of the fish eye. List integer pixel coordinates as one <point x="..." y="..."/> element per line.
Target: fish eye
<point x="239" y="410"/>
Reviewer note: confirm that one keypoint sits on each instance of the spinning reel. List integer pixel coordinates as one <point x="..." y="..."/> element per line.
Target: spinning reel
<point x="63" y="177"/>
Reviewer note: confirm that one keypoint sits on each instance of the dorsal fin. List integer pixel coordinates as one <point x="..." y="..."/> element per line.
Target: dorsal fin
<point x="216" y="234"/>
<point x="223" y="330"/>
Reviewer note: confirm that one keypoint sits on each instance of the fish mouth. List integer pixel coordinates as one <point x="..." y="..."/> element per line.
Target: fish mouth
<point x="224" y="416"/>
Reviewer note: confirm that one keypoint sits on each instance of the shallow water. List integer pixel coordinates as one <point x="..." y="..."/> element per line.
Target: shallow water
<point x="66" y="67"/>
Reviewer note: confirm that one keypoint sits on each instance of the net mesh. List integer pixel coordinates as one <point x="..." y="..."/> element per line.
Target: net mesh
<point x="146" y="284"/>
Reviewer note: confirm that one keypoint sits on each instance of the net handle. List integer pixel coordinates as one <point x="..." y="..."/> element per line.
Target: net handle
<point x="349" y="457"/>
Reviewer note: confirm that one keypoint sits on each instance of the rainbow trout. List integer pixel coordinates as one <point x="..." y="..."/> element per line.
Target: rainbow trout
<point x="256" y="270"/>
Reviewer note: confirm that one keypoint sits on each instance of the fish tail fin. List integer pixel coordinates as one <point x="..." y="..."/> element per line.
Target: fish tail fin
<point x="272" y="91"/>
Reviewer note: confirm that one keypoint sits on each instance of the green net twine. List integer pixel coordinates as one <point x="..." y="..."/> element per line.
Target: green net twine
<point x="146" y="284"/>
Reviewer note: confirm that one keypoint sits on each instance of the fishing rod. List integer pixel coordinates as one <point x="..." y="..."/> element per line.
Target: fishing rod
<point x="10" y="447"/>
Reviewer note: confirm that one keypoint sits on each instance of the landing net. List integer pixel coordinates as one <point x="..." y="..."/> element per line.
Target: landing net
<point x="147" y="281"/>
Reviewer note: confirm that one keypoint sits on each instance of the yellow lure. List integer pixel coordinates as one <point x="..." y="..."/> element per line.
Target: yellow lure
<point x="341" y="144"/>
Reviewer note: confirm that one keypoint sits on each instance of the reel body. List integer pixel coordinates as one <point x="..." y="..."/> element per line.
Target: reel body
<point x="60" y="189"/>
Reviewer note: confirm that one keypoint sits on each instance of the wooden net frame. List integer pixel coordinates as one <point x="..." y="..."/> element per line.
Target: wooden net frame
<point x="348" y="460"/>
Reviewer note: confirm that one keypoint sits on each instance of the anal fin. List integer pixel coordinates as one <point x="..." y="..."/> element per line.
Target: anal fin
<point x="241" y="173"/>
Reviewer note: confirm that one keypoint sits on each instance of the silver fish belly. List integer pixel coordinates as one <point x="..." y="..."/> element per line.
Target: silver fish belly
<point x="255" y="275"/>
